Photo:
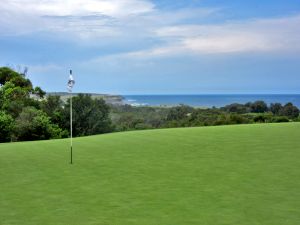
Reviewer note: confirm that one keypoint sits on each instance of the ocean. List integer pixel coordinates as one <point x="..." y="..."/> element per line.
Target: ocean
<point x="208" y="100"/>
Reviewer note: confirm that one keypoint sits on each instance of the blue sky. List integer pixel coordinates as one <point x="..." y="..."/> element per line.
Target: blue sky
<point x="155" y="47"/>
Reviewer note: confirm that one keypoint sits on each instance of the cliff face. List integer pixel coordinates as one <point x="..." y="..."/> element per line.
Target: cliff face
<point x="109" y="99"/>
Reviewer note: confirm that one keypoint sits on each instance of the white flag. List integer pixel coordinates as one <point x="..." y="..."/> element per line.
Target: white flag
<point x="71" y="83"/>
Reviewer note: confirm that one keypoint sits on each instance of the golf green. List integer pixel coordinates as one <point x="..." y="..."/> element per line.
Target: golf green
<point x="227" y="175"/>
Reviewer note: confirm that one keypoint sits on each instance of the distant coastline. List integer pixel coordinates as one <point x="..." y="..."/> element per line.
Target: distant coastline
<point x="110" y="99"/>
<point x="213" y="100"/>
<point x="201" y="100"/>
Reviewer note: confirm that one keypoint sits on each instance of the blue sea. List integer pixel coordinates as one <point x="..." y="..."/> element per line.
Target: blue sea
<point x="208" y="100"/>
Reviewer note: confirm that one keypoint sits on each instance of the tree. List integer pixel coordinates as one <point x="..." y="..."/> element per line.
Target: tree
<point x="15" y="92"/>
<point x="259" y="107"/>
<point x="22" y="82"/>
<point x="6" y="74"/>
<point x="39" y="92"/>
<point x="19" y="108"/>
<point x="276" y="108"/>
<point x="53" y="107"/>
<point x="33" y="124"/>
<point x="90" y="116"/>
<point x="13" y="98"/>
<point x="179" y="112"/>
<point x="290" y="111"/>
<point x="6" y="126"/>
<point x="236" y="108"/>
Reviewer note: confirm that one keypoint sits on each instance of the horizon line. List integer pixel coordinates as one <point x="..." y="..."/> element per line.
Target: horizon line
<point x="174" y="94"/>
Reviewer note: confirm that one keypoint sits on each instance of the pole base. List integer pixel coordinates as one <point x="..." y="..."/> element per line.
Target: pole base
<point x="71" y="154"/>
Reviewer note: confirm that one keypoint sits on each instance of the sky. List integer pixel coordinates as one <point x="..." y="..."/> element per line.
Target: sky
<point x="155" y="46"/>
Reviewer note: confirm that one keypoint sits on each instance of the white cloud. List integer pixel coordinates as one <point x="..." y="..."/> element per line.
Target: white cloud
<point x="37" y="69"/>
<point x="264" y="35"/>
<point x="87" y="16"/>
<point x="94" y="22"/>
<point x="87" y="21"/>
<point x="113" y="8"/>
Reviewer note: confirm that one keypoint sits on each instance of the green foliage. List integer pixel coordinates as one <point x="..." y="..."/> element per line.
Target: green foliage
<point x="260" y="119"/>
<point x="6" y="126"/>
<point x="18" y="108"/>
<point x="126" y="117"/>
<point x="131" y="118"/>
<point x="280" y="119"/>
<point x="7" y="74"/>
<point x="290" y="111"/>
<point x="22" y="82"/>
<point x="33" y="124"/>
<point x="237" y="108"/>
<point x="53" y="107"/>
<point x="276" y="108"/>
<point x="15" y="92"/>
<point x="90" y="116"/>
<point x="226" y="119"/>
<point x="39" y="92"/>
<point x="36" y="118"/>
<point x="13" y="98"/>
<point x="128" y="121"/>
<point x="258" y="107"/>
<point x="179" y="112"/>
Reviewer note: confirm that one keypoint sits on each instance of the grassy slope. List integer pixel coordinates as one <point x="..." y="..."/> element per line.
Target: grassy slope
<point x="235" y="175"/>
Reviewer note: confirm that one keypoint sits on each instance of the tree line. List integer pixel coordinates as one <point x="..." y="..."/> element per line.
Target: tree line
<point x="131" y="118"/>
<point x="26" y="113"/>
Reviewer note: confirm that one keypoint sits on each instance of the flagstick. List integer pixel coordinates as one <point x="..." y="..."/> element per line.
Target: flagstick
<point x="71" y="127"/>
<point x="71" y="83"/>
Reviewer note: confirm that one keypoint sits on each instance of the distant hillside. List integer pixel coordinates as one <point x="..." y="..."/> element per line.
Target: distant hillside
<point x="110" y="99"/>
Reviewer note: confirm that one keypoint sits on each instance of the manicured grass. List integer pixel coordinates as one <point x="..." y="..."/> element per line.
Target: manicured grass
<point x="235" y="175"/>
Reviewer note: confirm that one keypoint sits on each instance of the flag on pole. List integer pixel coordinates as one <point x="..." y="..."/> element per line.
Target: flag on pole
<point x="71" y="82"/>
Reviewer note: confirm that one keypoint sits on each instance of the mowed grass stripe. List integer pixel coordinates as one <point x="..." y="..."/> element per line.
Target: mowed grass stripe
<point x="246" y="175"/>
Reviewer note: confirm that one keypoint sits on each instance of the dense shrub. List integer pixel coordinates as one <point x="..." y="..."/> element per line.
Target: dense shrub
<point x="6" y="126"/>
<point x="258" y="107"/>
<point x="280" y="119"/>
<point x="290" y="111"/>
<point x="276" y="108"/>
<point x="33" y="124"/>
<point x="237" y="108"/>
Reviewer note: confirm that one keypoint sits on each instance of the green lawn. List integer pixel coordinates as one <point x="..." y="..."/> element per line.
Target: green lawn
<point x="230" y="175"/>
